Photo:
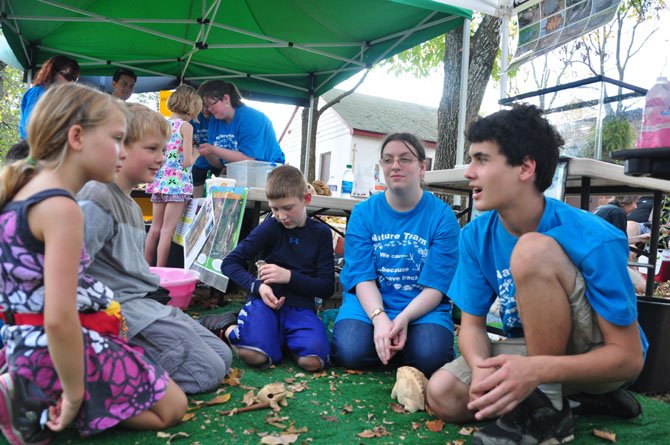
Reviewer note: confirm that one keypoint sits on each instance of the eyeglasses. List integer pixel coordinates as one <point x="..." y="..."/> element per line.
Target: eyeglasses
<point x="210" y="105"/>
<point x="68" y="76"/>
<point x="402" y="161"/>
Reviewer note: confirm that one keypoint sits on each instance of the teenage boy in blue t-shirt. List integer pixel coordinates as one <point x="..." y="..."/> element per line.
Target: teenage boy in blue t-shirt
<point x="566" y="302"/>
<point x="298" y="266"/>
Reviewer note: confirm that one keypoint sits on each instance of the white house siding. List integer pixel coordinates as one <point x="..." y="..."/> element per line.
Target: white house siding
<point x="334" y="135"/>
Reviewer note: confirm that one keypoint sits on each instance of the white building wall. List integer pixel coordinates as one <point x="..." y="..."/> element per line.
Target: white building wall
<point x="335" y="136"/>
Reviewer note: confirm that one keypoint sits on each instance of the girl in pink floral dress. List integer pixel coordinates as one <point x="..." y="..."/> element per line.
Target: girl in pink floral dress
<point x="67" y="358"/>
<point x="173" y="186"/>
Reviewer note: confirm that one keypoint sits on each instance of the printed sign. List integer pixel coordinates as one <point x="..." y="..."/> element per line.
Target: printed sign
<point x="553" y="23"/>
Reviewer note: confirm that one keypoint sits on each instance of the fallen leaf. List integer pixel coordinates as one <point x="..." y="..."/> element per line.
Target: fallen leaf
<point x="354" y="371"/>
<point x="378" y="431"/>
<point x="284" y="439"/>
<point x="249" y="388"/>
<point x="298" y="387"/>
<point x="330" y="418"/>
<point x="176" y="436"/>
<point x="605" y="435"/>
<point x="370" y="415"/>
<point x="233" y="378"/>
<point x="293" y="430"/>
<point x="219" y="400"/>
<point x="289" y="379"/>
<point x="187" y="417"/>
<point x="398" y="408"/>
<point x="387" y="422"/>
<point x="162" y="434"/>
<point x="300" y="374"/>
<point x="317" y="375"/>
<point x="276" y="419"/>
<point x="249" y="398"/>
<point x="249" y="431"/>
<point x="466" y="431"/>
<point x="435" y="426"/>
<point x="456" y="442"/>
<point x="346" y="409"/>
<point x="416" y="425"/>
<point x="281" y="426"/>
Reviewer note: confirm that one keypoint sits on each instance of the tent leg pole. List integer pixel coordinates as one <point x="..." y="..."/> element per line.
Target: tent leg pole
<point x="463" y="99"/>
<point x="308" y="142"/>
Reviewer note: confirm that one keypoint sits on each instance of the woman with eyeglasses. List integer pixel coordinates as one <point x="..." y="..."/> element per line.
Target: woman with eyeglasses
<point x="400" y="254"/>
<point x="58" y="69"/>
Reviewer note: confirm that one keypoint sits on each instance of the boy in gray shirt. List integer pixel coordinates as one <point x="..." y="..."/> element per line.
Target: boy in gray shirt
<point x="114" y="237"/>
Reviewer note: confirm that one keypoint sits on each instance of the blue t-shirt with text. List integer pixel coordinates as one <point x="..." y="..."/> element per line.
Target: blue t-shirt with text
<point x="596" y="248"/>
<point x="404" y="252"/>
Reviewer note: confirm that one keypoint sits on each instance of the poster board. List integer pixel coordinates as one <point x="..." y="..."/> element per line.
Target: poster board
<point x="550" y="24"/>
<point x="214" y="233"/>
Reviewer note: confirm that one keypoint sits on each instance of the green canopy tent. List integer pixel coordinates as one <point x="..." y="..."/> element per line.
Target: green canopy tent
<point x="285" y="50"/>
<point x="288" y="51"/>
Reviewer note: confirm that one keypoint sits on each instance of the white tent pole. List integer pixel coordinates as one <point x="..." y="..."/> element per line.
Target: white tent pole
<point x="308" y="142"/>
<point x="463" y="100"/>
<point x="504" y="53"/>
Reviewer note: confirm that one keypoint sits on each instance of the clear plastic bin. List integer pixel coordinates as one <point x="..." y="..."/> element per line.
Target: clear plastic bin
<point x="249" y="173"/>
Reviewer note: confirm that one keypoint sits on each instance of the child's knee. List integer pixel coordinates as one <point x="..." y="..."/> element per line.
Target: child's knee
<point x="171" y="408"/>
<point x="253" y="358"/>
<point x="310" y="363"/>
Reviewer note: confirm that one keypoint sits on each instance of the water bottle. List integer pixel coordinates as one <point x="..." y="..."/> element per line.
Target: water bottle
<point x="655" y="130"/>
<point x="333" y="186"/>
<point x="347" y="182"/>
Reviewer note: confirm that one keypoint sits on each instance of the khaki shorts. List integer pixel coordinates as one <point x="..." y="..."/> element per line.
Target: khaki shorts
<point x="585" y="337"/>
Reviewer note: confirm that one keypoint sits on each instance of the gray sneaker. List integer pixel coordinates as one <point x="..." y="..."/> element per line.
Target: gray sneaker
<point x="533" y="421"/>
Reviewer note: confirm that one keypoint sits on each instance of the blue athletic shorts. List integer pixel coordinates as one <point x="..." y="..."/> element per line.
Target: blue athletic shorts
<point x="268" y="331"/>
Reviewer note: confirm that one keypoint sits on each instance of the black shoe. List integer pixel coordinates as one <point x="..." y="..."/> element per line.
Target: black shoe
<point x="218" y="323"/>
<point x="618" y="403"/>
<point x="533" y="421"/>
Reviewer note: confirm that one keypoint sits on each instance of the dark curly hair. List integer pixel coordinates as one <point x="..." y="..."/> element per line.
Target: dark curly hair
<point x="519" y="133"/>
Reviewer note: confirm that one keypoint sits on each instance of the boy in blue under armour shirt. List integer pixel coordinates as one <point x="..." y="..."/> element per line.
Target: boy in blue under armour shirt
<point x="567" y="304"/>
<point x="297" y="252"/>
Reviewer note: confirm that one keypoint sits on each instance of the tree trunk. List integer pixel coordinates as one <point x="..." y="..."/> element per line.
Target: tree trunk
<point x="483" y="49"/>
<point x="316" y="114"/>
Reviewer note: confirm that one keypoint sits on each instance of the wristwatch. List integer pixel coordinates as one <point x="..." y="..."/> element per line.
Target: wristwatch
<point x="376" y="312"/>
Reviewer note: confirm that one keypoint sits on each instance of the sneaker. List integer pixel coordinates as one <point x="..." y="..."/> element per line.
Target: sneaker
<point x="12" y="435"/>
<point x="533" y="421"/>
<point x="618" y="403"/>
<point x="218" y="323"/>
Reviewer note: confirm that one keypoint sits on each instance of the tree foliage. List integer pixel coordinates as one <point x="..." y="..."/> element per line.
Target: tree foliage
<point x="11" y="90"/>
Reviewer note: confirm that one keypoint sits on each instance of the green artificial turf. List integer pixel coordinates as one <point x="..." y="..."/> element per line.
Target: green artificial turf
<point x="334" y="408"/>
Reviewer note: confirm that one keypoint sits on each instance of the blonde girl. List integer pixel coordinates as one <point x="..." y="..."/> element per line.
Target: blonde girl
<point x="173" y="186"/>
<point x="67" y="359"/>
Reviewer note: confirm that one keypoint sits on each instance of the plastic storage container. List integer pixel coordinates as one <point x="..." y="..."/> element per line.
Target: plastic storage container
<point x="334" y="186"/>
<point x="655" y="132"/>
<point x="347" y="182"/>
<point x="249" y="173"/>
<point x="180" y="282"/>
